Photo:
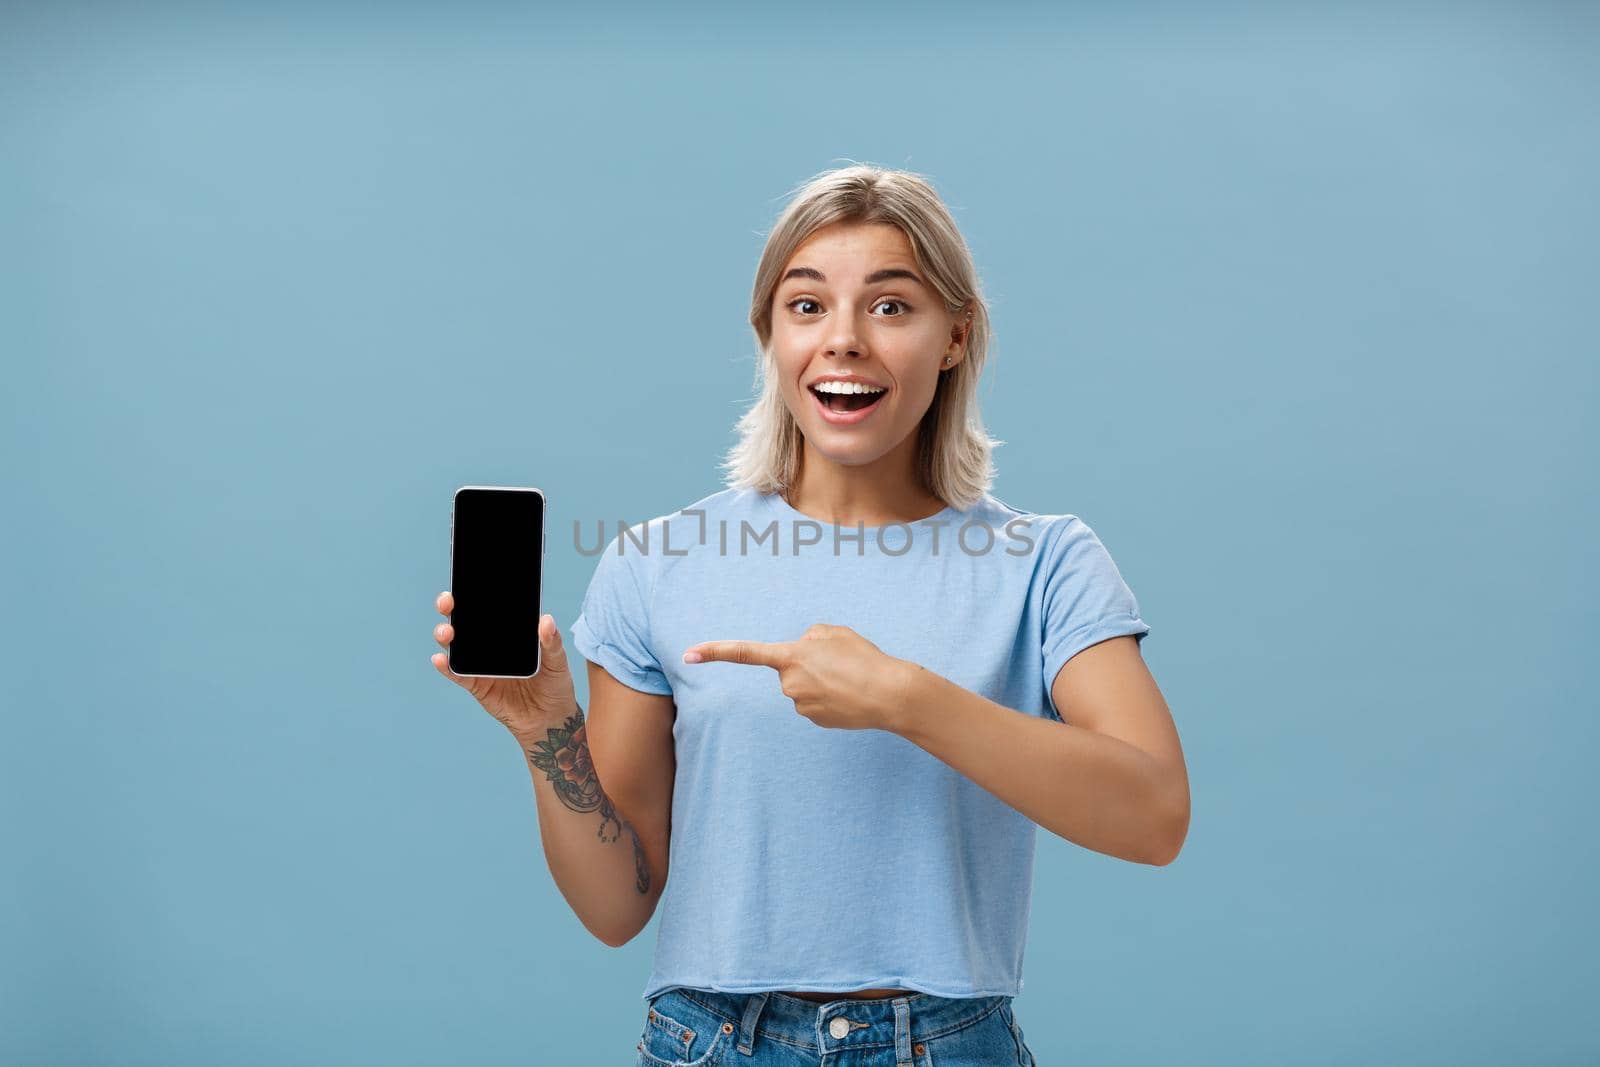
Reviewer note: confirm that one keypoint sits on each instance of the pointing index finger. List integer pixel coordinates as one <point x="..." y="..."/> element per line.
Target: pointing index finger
<point x="758" y="653"/>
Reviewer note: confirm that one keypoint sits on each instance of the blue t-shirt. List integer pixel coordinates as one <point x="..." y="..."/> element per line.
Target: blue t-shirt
<point x="809" y="858"/>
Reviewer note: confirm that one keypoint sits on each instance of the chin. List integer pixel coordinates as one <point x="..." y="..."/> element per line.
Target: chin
<point x="853" y="458"/>
<point x="849" y="452"/>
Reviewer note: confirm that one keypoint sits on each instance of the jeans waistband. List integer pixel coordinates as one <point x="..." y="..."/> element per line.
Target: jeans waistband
<point x="898" y="1021"/>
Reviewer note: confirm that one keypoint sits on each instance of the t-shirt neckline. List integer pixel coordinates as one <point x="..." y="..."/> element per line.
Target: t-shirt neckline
<point x="776" y="501"/>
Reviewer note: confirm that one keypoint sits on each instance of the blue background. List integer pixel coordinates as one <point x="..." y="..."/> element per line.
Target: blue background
<point x="1294" y="304"/>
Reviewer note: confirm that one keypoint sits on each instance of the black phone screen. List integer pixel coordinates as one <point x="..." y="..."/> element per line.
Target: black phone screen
<point x="496" y="564"/>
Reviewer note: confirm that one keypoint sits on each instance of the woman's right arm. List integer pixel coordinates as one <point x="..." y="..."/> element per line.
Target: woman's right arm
<point x="630" y="734"/>
<point x="606" y="848"/>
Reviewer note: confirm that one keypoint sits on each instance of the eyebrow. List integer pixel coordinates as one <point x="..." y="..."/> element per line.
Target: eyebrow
<point x="871" y="279"/>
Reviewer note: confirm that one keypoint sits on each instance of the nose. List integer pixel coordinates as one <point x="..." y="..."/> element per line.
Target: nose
<point x="844" y="340"/>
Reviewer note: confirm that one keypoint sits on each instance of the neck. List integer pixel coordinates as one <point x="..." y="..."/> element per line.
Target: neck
<point x="884" y="491"/>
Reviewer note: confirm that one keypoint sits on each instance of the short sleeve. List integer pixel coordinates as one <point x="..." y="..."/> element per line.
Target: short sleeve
<point x="1085" y="599"/>
<point x="613" y="625"/>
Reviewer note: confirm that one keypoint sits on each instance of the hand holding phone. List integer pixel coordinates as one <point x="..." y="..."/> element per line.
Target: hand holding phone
<point x="497" y="645"/>
<point x="526" y="706"/>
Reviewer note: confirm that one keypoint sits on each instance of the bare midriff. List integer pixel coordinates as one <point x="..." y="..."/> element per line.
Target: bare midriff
<point x="859" y="994"/>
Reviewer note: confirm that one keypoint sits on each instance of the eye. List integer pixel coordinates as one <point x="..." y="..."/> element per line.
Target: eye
<point x="794" y="305"/>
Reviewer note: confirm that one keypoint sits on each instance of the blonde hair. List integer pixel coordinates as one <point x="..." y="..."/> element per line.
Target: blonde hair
<point x="954" y="453"/>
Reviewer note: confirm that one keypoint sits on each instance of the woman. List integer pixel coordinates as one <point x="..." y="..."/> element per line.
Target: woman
<point x="835" y="692"/>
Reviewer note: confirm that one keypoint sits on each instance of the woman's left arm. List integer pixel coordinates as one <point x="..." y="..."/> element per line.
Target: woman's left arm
<point x="1112" y="780"/>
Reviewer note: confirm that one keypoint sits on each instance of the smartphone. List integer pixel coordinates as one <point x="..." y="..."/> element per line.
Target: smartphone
<point x="496" y="571"/>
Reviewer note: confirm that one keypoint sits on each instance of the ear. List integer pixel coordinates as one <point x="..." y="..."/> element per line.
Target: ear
<point x="960" y="331"/>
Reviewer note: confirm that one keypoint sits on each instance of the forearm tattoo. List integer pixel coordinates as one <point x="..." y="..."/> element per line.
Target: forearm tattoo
<point x="564" y="759"/>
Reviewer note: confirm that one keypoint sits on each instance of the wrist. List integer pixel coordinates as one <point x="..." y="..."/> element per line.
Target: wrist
<point x="911" y="679"/>
<point x="541" y="729"/>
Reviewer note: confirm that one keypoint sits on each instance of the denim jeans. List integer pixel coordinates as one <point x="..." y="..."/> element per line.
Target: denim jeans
<point x="699" y="1028"/>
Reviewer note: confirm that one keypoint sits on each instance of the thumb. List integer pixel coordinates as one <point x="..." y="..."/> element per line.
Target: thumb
<point x="552" y="653"/>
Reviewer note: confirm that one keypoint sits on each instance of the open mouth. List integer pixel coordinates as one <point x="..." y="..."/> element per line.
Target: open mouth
<point x="848" y="403"/>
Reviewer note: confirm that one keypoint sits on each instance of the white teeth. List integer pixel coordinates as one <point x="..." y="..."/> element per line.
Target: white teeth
<point x="845" y="387"/>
